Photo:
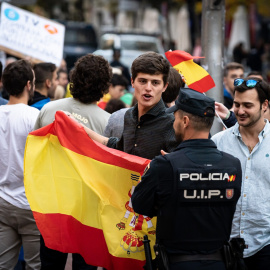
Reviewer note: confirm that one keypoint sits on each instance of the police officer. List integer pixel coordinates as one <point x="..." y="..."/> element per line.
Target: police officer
<point x="193" y="191"/>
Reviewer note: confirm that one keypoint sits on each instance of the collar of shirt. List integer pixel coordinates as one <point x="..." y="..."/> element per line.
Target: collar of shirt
<point x="198" y="143"/>
<point x="37" y="97"/>
<point x="262" y="134"/>
<point x="159" y="108"/>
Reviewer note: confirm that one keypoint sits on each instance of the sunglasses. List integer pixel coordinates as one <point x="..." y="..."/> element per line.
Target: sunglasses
<point x="249" y="83"/>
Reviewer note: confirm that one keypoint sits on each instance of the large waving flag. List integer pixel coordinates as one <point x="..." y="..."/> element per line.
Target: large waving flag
<point x="196" y="77"/>
<point x="79" y="192"/>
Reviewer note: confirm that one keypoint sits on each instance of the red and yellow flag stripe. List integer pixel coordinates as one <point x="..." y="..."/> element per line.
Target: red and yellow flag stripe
<point x="196" y="77"/>
<point x="79" y="192"/>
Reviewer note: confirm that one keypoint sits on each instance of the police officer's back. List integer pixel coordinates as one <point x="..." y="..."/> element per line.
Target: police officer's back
<point x="193" y="191"/>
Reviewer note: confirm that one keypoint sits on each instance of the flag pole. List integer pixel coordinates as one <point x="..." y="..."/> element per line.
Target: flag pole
<point x="219" y="117"/>
<point x="221" y="120"/>
<point x="213" y="25"/>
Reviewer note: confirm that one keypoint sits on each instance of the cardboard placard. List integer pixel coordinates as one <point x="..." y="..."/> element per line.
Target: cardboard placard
<point x="27" y="35"/>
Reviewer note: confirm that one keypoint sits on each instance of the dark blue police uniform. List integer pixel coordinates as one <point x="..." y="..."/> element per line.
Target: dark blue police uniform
<point x="193" y="191"/>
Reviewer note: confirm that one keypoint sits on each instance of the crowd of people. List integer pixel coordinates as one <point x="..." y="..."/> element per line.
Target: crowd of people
<point x="256" y="58"/>
<point x="204" y="190"/>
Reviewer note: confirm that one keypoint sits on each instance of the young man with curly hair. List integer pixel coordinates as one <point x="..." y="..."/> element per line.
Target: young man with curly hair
<point x="90" y="80"/>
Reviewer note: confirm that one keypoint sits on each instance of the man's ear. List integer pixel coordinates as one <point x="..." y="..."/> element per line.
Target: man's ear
<point x="48" y="83"/>
<point x="186" y="121"/>
<point x="265" y="105"/>
<point x="28" y="85"/>
<point x="165" y="87"/>
<point x="132" y="82"/>
<point x="110" y="87"/>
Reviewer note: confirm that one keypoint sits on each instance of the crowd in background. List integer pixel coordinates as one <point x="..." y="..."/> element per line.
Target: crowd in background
<point x="53" y="88"/>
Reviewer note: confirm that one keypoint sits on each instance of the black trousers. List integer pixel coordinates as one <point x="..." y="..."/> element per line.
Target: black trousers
<point x="56" y="260"/>
<point x="260" y="260"/>
<point x="198" y="265"/>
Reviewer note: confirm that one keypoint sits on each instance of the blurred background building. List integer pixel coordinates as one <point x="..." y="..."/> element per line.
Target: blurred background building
<point x="177" y="23"/>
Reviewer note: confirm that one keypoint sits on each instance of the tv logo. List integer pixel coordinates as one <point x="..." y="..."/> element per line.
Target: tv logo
<point x="11" y="14"/>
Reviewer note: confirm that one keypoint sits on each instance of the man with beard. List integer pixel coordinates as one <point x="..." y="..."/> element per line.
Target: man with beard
<point x="189" y="190"/>
<point x="46" y="82"/>
<point x="17" y="119"/>
<point x="249" y="140"/>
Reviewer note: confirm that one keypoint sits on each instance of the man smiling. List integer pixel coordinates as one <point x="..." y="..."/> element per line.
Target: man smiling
<point x="147" y="128"/>
<point x="249" y="141"/>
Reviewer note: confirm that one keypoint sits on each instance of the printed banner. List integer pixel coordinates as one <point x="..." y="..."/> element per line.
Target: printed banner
<point x="23" y="34"/>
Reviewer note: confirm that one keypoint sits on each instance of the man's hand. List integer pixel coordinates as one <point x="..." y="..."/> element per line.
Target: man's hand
<point x="163" y="153"/>
<point x="222" y="111"/>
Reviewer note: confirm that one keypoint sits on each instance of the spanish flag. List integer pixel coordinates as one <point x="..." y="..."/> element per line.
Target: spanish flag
<point x="79" y="192"/>
<point x="194" y="75"/>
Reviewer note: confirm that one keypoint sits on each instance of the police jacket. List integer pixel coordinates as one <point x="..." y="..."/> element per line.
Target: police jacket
<point x="193" y="191"/>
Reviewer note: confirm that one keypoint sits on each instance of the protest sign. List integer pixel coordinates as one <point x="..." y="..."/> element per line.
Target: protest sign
<point x="25" y="34"/>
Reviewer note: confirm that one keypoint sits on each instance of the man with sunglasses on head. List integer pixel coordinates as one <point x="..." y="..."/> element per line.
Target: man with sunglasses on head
<point x="249" y="141"/>
<point x="227" y="115"/>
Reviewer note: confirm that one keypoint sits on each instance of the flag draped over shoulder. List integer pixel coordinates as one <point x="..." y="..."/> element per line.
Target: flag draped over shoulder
<point x="79" y="192"/>
<point x="196" y="77"/>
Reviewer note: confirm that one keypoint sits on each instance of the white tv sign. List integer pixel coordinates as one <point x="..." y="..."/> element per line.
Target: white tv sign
<point x="25" y="34"/>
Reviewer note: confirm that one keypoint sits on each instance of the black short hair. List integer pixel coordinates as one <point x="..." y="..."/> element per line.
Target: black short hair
<point x="175" y="83"/>
<point x="90" y="78"/>
<point x="232" y="66"/>
<point x="61" y="70"/>
<point x="199" y="123"/>
<point x="118" y="79"/>
<point x="16" y="75"/>
<point x="151" y="63"/>
<point x="114" y="105"/>
<point x="116" y="51"/>
<point x="43" y="72"/>
<point x="256" y="74"/>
